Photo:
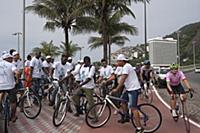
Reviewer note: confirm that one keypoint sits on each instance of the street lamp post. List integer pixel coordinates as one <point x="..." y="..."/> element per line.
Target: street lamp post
<point x="23" y="55"/>
<point x="178" y="48"/>
<point x="18" y="40"/>
<point x="194" y="54"/>
<point x="145" y="30"/>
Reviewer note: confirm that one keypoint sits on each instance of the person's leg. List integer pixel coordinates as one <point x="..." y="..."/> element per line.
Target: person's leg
<point x="76" y="100"/>
<point x="124" y="107"/>
<point x="133" y="100"/>
<point x="13" y="103"/>
<point x="173" y="101"/>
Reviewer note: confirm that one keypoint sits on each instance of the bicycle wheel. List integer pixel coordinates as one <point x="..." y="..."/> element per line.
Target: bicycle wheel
<point x="186" y="117"/>
<point x="31" y="105"/>
<point x="6" y="117"/>
<point x="60" y="112"/>
<point x="150" y="118"/>
<point x="98" y="115"/>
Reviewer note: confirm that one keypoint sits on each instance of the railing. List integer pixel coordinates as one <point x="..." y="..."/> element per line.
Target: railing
<point x="188" y="67"/>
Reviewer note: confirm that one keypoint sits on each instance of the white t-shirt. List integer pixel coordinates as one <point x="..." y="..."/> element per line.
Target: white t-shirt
<point x="70" y="66"/>
<point x="18" y="64"/>
<point x="76" y="73"/>
<point x="37" y="67"/>
<point x="87" y="72"/>
<point x="106" y="72"/>
<point x="27" y="63"/>
<point x="7" y="80"/>
<point x="131" y="82"/>
<point x="48" y="66"/>
<point x="118" y="71"/>
<point x="60" y="70"/>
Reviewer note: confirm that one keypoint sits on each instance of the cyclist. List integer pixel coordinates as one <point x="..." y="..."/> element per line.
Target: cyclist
<point x="8" y="83"/>
<point x="105" y="72"/>
<point x="174" y="78"/>
<point x="87" y="72"/>
<point x="130" y="81"/>
<point x="147" y="73"/>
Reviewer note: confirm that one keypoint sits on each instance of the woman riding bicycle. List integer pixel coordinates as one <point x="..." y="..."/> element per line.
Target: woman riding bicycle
<point x="174" y="78"/>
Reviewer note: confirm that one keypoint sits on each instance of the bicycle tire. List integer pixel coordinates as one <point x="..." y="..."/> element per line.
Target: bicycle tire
<point x="60" y="110"/>
<point x="186" y="117"/>
<point x="33" y="103"/>
<point x="95" y="121"/>
<point x="148" y="113"/>
<point x="7" y="118"/>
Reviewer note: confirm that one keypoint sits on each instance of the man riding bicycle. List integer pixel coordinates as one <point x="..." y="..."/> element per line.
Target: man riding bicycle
<point x="174" y="78"/>
<point x="147" y="73"/>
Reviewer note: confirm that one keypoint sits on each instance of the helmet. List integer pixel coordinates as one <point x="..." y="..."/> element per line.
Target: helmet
<point x="174" y="66"/>
<point x="147" y="62"/>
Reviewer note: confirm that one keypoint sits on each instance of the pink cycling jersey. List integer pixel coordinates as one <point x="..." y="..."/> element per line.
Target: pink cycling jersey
<point x="175" y="79"/>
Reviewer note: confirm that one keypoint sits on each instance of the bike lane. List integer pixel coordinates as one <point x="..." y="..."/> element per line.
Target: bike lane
<point x="168" y="124"/>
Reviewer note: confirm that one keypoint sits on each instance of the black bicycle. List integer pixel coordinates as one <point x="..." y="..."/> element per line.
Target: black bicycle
<point x="99" y="114"/>
<point x="182" y="110"/>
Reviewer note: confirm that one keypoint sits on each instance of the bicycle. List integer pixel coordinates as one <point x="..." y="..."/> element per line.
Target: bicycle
<point x="150" y="116"/>
<point x="147" y="92"/>
<point x="65" y="103"/>
<point x="30" y="103"/>
<point x="6" y="110"/>
<point x="182" y="110"/>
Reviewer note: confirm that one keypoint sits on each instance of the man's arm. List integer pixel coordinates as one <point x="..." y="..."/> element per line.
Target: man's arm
<point x="121" y="83"/>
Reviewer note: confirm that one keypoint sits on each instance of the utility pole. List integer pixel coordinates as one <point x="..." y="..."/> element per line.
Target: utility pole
<point x="194" y="54"/>
<point x="145" y="30"/>
<point x="18" y="40"/>
<point x="24" y="49"/>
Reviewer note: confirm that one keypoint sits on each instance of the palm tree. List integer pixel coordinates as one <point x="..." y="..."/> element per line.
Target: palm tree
<point x="98" y="16"/>
<point x="72" y="49"/>
<point x="116" y="27"/>
<point x="47" y="49"/>
<point x="59" y="14"/>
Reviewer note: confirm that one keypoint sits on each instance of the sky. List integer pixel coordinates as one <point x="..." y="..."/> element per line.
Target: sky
<point x="163" y="17"/>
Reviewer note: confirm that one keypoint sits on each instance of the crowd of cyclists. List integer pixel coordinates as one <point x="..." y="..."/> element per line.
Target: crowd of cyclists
<point x="122" y="80"/>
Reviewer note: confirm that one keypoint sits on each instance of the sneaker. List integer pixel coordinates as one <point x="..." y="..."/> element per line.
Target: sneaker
<point x="123" y="120"/>
<point x="174" y="114"/>
<point x="139" y="130"/>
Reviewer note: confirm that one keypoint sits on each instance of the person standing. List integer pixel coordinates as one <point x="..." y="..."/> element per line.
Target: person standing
<point x="130" y="81"/>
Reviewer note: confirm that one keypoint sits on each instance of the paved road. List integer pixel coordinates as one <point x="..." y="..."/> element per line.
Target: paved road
<point x="43" y="124"/>
<point x="168" y="125"/>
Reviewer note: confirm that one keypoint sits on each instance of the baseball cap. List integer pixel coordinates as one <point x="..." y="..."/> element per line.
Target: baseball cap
<point x="15" y="53"/>
<point x="5" y="56"/>
<point x="69" y="58"/>
<point x="48" y="57"/>
<point x="121" y="57"/>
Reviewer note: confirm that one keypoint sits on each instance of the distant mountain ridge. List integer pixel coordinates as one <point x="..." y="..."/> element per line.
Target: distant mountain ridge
<point x="188" y="35"/>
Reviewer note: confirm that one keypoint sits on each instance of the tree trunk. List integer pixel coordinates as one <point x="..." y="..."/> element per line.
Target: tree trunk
<point x="66" y="42"/>
<point x="104" y="29"/>
<point x="109" y="54"/>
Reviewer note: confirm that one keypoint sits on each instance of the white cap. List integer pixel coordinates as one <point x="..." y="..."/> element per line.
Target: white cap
<point x="4" y="52"/>
<point x="121" y="57"/>
<point x="15" y="53"/>
<point x="81" y="61"/>
<point x="48" y="57"/>
<point x="69" y="58"/>
<point x="6" y="55"/>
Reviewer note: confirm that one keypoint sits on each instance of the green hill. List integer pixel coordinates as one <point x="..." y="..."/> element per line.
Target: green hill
<point x="189" y="35"/>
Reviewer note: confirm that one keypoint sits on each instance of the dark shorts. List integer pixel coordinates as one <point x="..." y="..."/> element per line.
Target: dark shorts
<point x="12" y="94"/>
<point x="178" y="89"/>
